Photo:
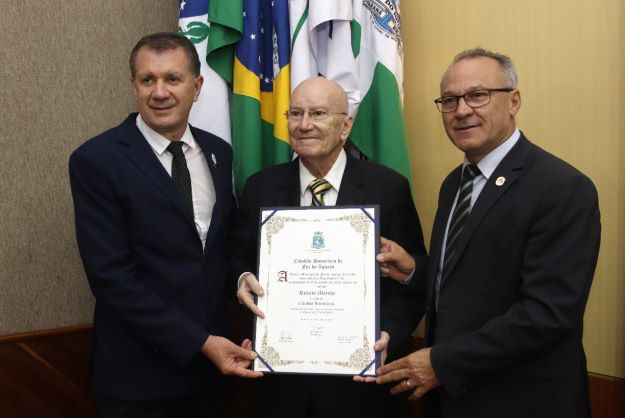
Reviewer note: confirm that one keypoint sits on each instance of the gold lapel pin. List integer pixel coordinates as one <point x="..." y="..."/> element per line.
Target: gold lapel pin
<point x="500" y="181"/>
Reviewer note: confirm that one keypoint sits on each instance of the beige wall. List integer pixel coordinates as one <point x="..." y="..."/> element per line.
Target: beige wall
<point x="570" y="58"/>
<point x="63" y="78"/>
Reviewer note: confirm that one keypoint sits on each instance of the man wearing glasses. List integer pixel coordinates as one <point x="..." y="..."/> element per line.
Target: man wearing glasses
<point x="324" y="175"/>
<point x="512" y="256"/>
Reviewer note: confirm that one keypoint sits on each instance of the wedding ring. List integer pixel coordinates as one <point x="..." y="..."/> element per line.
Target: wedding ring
<point x="407" y="382"/>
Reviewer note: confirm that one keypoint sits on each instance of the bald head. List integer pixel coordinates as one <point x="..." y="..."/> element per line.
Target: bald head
<point x="326" y="90"/>
<point x="323" y="125"/>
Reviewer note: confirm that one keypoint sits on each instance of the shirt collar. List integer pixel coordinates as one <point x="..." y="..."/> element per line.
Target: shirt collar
<point x="489" y="163"/>
<point x="157" y="141"/>
<point x="334" y="176"/>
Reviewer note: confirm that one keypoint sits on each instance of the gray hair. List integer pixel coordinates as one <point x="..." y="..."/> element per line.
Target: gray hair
<point x="504" y="62"/>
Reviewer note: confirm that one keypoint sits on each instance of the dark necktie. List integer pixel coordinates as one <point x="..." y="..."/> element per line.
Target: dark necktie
<point x="180" y="173"/>
<point x="319" y="187"/>
<point x="458" y="220"/>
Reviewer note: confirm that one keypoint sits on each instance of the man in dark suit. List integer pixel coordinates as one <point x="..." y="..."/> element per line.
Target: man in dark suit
<point x="512" y="257"/>
<point x="153" y="201"/>
<point x="318" y="128"/>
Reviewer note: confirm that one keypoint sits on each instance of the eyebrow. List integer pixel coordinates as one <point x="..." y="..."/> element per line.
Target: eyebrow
<point x="473" y="88"/>
<point x="165" y="74"/>
<point x="310" y="108"/>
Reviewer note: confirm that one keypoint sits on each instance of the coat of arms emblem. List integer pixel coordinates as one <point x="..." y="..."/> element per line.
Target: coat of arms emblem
<point x="318" y="241"/>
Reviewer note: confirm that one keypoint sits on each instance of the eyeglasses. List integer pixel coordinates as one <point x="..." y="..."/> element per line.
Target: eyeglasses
<point x="474" y="99"/>
<point x="316" y="115"/>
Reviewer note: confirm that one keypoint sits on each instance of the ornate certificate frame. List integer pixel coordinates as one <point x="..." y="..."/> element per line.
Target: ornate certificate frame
<point x="321" y="281"/>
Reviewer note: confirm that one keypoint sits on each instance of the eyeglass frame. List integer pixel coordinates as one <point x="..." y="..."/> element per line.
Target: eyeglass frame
<point x="439" y="106"/>
<point x="304" y="112"/>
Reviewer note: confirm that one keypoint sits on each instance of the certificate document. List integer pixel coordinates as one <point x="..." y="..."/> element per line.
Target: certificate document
<point x="318" y="269"/>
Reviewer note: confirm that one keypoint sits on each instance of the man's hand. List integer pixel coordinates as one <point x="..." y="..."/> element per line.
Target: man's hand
<point x="395" y="262"/>
<point x="229" y="358"/>
<point x="414" y="372"/>
<point x="248" y="288"/>
<point x="382" y="346"/>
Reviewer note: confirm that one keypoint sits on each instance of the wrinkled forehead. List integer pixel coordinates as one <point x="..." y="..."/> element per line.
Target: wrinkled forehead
<point x="174" y="59"/>
<point x="472" y="73"/>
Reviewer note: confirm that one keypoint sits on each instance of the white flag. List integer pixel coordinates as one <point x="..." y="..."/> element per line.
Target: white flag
<point x="357" y="43"/>
<point x="321" y="39"/>
<point x="211" y="112"/>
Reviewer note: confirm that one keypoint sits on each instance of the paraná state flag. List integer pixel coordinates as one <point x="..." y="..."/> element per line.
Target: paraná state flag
<point x="211" y="112"/>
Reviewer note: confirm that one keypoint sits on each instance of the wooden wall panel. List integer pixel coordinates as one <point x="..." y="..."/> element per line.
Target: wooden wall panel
<point x="607" y="396"/>
<point x="46" y="375"/>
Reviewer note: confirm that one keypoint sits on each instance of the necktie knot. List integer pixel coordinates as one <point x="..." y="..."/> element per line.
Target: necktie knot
<point x="175" y="148"/>
<point x="470" y="172"/>
<point x="319" y="187"/>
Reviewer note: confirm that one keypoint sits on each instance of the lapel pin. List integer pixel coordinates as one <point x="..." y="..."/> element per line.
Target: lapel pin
<point x="214" y="159"/>
<point x="500" y="181"/>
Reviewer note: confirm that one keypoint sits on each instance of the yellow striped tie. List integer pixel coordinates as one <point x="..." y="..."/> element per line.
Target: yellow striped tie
<point x="318" y="187"/>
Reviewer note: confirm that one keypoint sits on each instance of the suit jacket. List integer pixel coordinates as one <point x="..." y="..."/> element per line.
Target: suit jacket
<point x="362" y="183"/>
<point x="507" y="336"/>
<point x="158" y="293"/>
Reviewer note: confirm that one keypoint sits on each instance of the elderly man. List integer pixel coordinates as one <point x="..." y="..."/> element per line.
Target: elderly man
<point x="319" y="125"/>
<point x="153" y="200"/>
<point x="512" y="257"/>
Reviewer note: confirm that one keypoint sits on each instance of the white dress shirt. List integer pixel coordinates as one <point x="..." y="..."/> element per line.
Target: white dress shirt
<point x="334" y="176"/>
<point x="202" y="187"/>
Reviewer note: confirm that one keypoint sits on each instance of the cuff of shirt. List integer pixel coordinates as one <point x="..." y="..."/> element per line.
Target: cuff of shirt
<point x="407" y="281"/>
<point x="247" y="272"/>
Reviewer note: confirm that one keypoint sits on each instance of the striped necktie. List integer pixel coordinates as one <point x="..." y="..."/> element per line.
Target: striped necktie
<point x="458" y="220"/>
<point x="318" y="187"/>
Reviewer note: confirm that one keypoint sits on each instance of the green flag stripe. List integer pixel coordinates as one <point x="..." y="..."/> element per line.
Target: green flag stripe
<point x="226" y="27"/>
<point x="300" y="23"/>
<point x="356" y="35"/>
<point x="253" y="143"/>
<point x="379" y="129"/>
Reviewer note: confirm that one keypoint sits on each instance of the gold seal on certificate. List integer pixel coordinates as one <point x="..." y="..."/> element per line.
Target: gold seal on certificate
<point x="318" y="269"/>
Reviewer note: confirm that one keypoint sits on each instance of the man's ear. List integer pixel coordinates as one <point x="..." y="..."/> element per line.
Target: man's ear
<point x="515" y="102"/>
<point x="199" y="81"/>
<point x="347" y="128"/>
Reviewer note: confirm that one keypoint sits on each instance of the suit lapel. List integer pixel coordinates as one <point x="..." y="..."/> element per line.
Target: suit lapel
<point x="139" y="152"/>
<point x="510" y="169"/>
<point x="284" y="189"/>
<point x="352" y="188"/>
<point x="222" y="183"/>
<point x="287" y="186"/>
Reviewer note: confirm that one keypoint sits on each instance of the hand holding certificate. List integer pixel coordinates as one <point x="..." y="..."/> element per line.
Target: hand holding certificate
<point x="318" y="270"/>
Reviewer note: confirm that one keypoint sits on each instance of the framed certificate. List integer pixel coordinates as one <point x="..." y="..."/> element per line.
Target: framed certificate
<point x="321" y="279"/>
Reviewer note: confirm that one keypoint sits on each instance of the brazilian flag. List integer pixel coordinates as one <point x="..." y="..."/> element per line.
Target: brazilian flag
<point x="248" y="45"/>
